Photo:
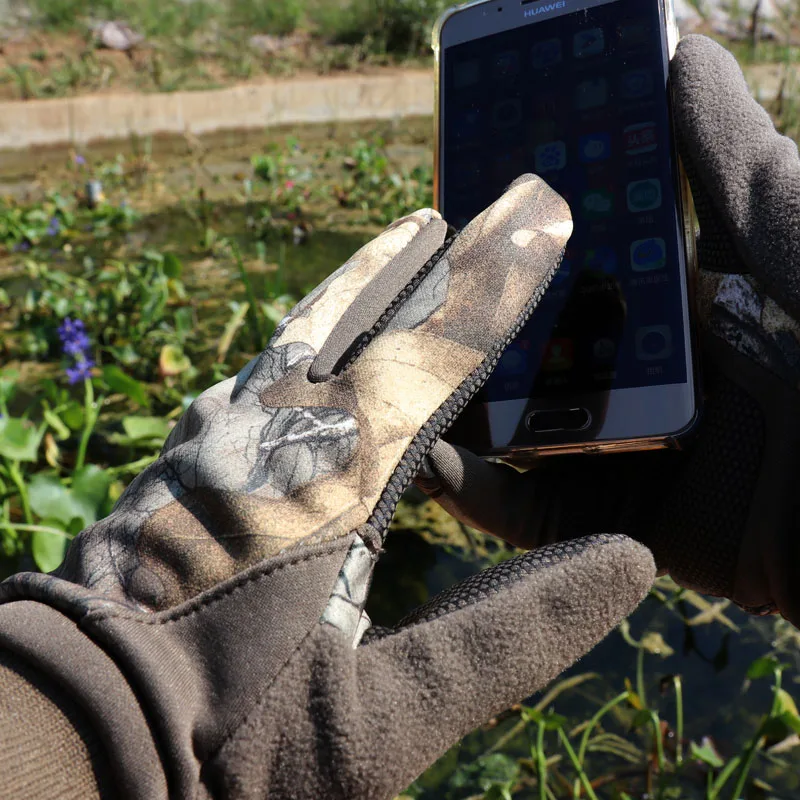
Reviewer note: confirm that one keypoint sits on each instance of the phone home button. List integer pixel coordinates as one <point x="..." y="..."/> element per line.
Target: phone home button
<point x="560" y="419"/>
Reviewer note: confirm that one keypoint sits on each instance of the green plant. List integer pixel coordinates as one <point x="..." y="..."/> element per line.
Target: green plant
<point x="24" y="79"/>
<point x="278" y="17"/>
<point x="400" y="27"/>
<point x="381" y="190"/>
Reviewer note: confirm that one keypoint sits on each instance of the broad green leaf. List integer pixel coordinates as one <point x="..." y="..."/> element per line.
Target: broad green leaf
<point x="50" y="499"/>
<point x="19" y="439"/>
<point x="763" y="668"/>
<point x="172" y="361"/>
<point x="90" y="485"/>
<point x="74" y="415"/>
<point x="499" y="791"/>
<point x="791" y="721"/>
<point x="654" y="643"/>
<point x="118" y="381"/>
<point x="641" y="718"/>
<point x="8" y="383"/>
<point x="707" y="754"/>
<point x="48" y="549"/>
<point x="786" y="703"/>
<point x="532" y="714"/>
<point x="140" y="428"/>
<point x="172" y="266"/>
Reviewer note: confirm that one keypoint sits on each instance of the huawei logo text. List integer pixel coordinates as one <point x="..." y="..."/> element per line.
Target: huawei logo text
<point x="533" y="12"/>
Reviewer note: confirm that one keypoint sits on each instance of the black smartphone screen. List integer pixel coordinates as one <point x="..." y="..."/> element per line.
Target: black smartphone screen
<point x="580" y="100"/>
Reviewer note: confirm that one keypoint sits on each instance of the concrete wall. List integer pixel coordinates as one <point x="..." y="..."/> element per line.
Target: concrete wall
<point x="82" y="120"/>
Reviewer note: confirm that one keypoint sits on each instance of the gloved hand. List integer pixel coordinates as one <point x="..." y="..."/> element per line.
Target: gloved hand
<point x="724" y="516"/>
<point x="211" y="627"/>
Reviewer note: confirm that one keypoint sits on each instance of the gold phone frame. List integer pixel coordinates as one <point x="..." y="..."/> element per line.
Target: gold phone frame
<point x="688" y="218"/>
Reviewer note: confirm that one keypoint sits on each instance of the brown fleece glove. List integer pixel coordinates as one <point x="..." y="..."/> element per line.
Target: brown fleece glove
<point x="211" y="629"/>
<point x="724" y="516"/>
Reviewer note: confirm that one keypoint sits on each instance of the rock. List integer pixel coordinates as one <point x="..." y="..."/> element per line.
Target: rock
<point x="116" y="36"/>
<point x="270" y="45"/>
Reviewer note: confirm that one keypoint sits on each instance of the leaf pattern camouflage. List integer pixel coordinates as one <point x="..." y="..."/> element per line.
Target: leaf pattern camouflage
<point x="270" y="460"/>
<point x="738" y="310"/>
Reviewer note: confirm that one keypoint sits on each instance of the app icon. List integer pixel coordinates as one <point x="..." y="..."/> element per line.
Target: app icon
<point x="513" y="362"/>
<point x="592" y="93"/>
<point x="597" y="204"/>
<point x="648" y="255"/>
<point x="466" y="73"/>
<point x="644" y="195"/>
<point x="654" y="343"/>
<point x="595" y="147"/>
<point x="641" y="138"/>
<point x="588" y="43"/>
<point x="550" y="157"/>
<point x="547" y="53"/>
<point x="604" y="350"/>
<point x="601" y="259"/>
<point x="506" y="65"/>
<point x="559" y="355"/>
<point x="636" y="84"/>
<point x="507" y="114"/>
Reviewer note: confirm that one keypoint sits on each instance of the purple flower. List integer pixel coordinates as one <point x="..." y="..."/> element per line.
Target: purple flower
<point x="82" y="371"/>
<point x="22" y="247"/>
<point x="79" y="160"/>
<point x="71" y="329"/>
<point x="75" y="343"/>
<point x="77" y="346"/>
<point x="54" y="228"/>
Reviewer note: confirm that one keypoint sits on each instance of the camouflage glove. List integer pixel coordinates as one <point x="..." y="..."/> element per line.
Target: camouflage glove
<point x="211" y="627"/>
<point x="723" y="516"/>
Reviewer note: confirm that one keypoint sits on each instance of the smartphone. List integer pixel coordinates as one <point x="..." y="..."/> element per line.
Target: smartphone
<point x="577" y="92"/>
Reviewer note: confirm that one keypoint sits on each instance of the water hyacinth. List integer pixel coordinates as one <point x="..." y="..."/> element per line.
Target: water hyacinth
<point x="75" y="344"/>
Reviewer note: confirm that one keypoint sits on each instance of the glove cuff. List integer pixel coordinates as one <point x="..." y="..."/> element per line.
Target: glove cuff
<point x="56" y="648"/>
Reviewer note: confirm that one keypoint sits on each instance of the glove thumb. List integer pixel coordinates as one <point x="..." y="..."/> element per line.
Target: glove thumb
<point x="489" y="643"/>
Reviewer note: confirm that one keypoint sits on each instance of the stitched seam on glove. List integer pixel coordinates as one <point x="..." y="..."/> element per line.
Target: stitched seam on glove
<point x="363" y="342"/>
<point x="444" y="417"/>
<point x="488" y="583"/>
<point x="218" y="595"/>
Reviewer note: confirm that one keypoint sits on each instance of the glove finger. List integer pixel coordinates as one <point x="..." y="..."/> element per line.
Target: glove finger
<point x="400" y="250"/>
<point x="745" y="176"/>
<point x="408" y="377"/>
<point x="491" y="642"/>
<point x="557" y="500"/>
